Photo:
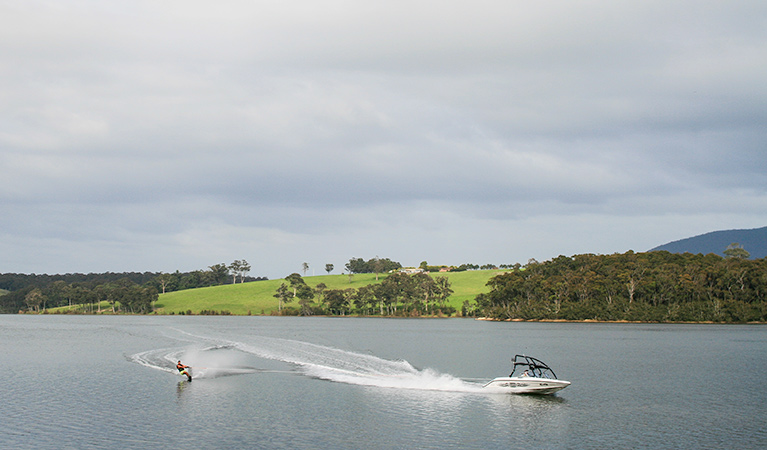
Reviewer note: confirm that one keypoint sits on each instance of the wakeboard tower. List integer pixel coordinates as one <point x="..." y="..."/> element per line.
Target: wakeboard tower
<point x="528" y="376"/>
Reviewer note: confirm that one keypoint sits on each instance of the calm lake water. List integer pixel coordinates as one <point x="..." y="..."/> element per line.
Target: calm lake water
<point x="84" y="382"/>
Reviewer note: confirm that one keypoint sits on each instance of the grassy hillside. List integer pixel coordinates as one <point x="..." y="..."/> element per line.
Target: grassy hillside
<point x="257" y="297"/>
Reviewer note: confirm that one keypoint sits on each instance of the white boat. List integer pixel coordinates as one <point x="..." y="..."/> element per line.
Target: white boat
<point x="533" y="376"/>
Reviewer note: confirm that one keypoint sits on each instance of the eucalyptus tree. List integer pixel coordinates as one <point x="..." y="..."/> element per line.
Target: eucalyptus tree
<point x="295" y="281"/>
<point x="244" y="270"/>
<point x="377" y="265"/>
<point x="304" y="294"/>
<point x="735" y="250"/>
<point x="304" y="267"/>
<point x="69" y="294"/>
<point x="385" y="295"/>
<point x="364" y="298"/>
<point x="34" y="299"/>
<point x="235" y="268"/>
<point x="319" y="292"/>
<point x="356" y="265"/>
<point x="164" y="280"/>
<point x="329" y="268"/>
<point x="219" y="273"/>
<point x="139" y="299"/>
<point x="283" y="296"/>
<point x="57" y="293"/>
<point x="425" y="288"/>
<point x="444" y="290"/>
<point x="194" y="279"/>
<point x="395" y="288"/>
<point x="339" y="302"/>
<point x="239" y="267"/>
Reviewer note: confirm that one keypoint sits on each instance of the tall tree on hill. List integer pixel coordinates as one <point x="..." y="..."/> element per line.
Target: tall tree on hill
<point x="164" y="280"/>
<point x="219" y="273"/>
<point x="234" y="269"/>
<point x="244" y="269"/>
<point x="735" y="250"/>
<point x="329" y="268"/>
<point x="377" y="266"/>
<point x="304" y="267"/>
<point x="239" y="267"/>
<point x="295" y="281"/>
<point x="356" y="265"/>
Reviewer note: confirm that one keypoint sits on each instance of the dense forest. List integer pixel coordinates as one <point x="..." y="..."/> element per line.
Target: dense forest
<point x="653" y="286"/>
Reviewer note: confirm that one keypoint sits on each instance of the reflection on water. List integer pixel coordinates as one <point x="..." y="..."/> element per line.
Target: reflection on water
<point x="180" y="387"/>
<point x="536" y="416"/>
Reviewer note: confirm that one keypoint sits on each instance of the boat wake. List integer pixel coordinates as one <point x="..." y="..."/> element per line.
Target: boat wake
<point x="344" y="366"/>
<point x="212" y="358"/>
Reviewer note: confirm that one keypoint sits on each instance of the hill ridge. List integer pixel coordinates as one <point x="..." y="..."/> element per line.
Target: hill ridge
<point x="754" y="240"/>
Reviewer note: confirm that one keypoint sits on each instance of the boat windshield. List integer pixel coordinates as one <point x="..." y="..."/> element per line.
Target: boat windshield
<point x="530" y="367"/>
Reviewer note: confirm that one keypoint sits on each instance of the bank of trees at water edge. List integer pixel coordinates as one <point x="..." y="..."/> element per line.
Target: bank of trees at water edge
<point x="125" y="292"/>
<point x="654" y="286"/>
<point x="399" y="294"/>
<point x="122" y="295"/>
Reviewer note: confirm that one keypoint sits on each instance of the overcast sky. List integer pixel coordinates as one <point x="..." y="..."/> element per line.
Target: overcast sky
<point x="174" y="135"/>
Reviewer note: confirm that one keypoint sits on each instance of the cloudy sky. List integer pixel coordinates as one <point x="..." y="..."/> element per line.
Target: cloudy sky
<point x="174" y="135"/>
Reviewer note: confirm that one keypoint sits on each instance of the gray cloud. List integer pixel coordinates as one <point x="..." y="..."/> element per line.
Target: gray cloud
<point x="145" y="136"/>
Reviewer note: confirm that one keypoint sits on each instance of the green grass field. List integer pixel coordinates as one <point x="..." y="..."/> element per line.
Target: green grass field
<point x="257" y="297"/>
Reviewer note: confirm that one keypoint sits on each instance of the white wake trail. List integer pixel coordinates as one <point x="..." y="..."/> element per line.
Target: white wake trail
<point x="344" y="366"/>
<point x="313" y="360"/>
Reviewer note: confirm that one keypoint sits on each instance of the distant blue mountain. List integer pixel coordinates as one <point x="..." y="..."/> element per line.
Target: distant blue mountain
<point x="754" y="241"/>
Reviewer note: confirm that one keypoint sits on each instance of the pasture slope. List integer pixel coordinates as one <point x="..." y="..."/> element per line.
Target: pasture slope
<point x="257" y="297"/>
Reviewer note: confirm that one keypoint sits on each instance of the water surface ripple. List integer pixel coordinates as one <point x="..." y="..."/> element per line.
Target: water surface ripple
<point x="85" y="382"/>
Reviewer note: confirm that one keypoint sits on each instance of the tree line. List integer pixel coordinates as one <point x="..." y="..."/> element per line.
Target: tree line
<point x="374" y="265"/>
<point x="398" y="294"/>
<point x="122" y="295"/>
<point x="655" y="286"/>
<point x="133" y="292"/>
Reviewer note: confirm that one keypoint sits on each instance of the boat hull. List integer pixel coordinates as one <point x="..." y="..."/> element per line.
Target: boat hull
<point x="526" y="385"/>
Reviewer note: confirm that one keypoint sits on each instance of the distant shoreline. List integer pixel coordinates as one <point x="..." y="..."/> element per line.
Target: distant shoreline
<point x="483" y="319"/>
<point x="708" y="322"/>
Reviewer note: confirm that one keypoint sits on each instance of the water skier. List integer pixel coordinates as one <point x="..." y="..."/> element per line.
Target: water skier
<point x="182" y="370"/>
